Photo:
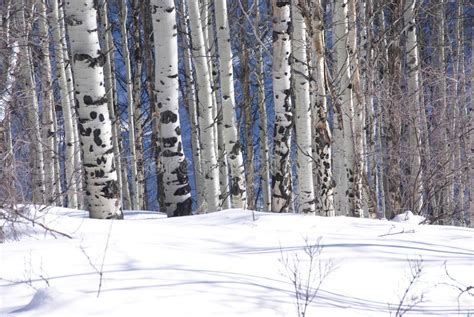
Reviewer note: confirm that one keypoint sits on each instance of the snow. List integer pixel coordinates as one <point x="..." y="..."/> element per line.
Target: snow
<point x="409" y="217"/>
<point x="230" y="263"/>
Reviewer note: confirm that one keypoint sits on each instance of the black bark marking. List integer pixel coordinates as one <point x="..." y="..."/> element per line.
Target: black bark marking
<point x="169" y="142"/>
<point x="100" y="173"/>
<point x="92" y="61"/>
<point x="97" y="138"/>
<point x="101" y="117"/>
<point x="168" y="117"/>
<point x="183" y="208"/>
<point x="182" y="191"/>
<point x="91" y="102"/>
<point x="110" y="189"/>
<point x="93" y="114"/>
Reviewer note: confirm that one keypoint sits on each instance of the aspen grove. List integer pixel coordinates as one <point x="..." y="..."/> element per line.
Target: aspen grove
<point x="357" y="108"/>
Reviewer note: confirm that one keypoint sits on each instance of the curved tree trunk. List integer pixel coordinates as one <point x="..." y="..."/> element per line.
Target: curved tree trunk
<point x="304" y="165"/>
<point x="102" y="192"/>
<point x="206" y="119"/>
<point x="281" y="71"/>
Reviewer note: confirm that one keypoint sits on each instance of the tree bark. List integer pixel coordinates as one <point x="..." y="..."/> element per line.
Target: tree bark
<point x="281" y="72"/>
<point x="263" y="130"/>
<point x="343" y="144"/>
<point x="304" y="165"/>
<point x="206" y="119"/>
<point x="229" y="122"/>
<point x="102" y="192"/>
<point x="177" y="193"/>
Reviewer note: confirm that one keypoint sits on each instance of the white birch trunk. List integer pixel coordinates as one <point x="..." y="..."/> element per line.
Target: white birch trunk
<point x="102" y="196"/>
<point x="306" y="199"/>
<point x="137" y="90"/>
<point x="47" y="120"/>
<point x="206" y="119"/>
<point x="263" y="131"/>
<point x="191" y="102"/>
<point x="358" y="101"/>
<point x="343" y="146"/>
<point x="77" y="181"/>
<point x="322" y="132"/>
<point x="109" y="77"/>
<point x="175" y="175"/>
<point x="9" y="64"/>
<point x="66" y="106"/>
<point x="415" y="186"/>
<point x="135" y="188"/>
<point x="281" y="71"/>
<point x="231" y="138"/>
<point x="36" y="148"/>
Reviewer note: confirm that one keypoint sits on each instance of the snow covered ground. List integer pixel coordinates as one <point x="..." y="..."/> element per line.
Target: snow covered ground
<point x="232" y="263"/>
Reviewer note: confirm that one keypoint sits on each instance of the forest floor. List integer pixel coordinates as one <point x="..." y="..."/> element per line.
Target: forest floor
<point x="234" y="263"/>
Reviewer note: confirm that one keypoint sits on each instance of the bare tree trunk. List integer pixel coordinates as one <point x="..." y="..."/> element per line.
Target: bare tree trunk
<point x="177" y="193"/>
<point x="306" y="200"/>
<point x="102" y="192"/>
<point x="229" y="122"/>
<point x="343" y="144"/>
<point x="415" y="185"/>
<point x="36" y="149"/>
<point x="281" y="72"/>
<point x="263" y="132"/>
<point x="109" y="77"/>
<point x="191" y="103"/>
<point x="135" y="188"/>
<point x="48" y="119"/>
<point x="9" y="63"/>
<point x="137" y="90"/>
<point x="322" y="173"/>
<point x="77" y="177"/>
<point x="206" y="121"/>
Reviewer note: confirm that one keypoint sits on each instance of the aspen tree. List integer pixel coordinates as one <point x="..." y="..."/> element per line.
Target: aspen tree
<point x="177" y="193"/>
<point x="262" y="111"/>
<point x="320" y="125"/>
<point x="306" y="199"/>
<point x="358" y="103"/>
<point x="281" y="73"/>
<point x="37" y="153"/>
<point x="137" y="90"/>
<point x="206" y="119"/>
<point x="48" y="114"/>
<point x="415" y="185"/>
<point x="109" y="77"/>
<point x="136" y="194"/>
<point x="77" y="166"/>
<point x="191" y="104"/>
<point x="102" y="196"/>
<point x="229" y="122"/>
<point x="343" y="145"/>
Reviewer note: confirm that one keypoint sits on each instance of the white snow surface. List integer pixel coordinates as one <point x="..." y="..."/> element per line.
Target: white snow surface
<point x="230" y="263"/>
